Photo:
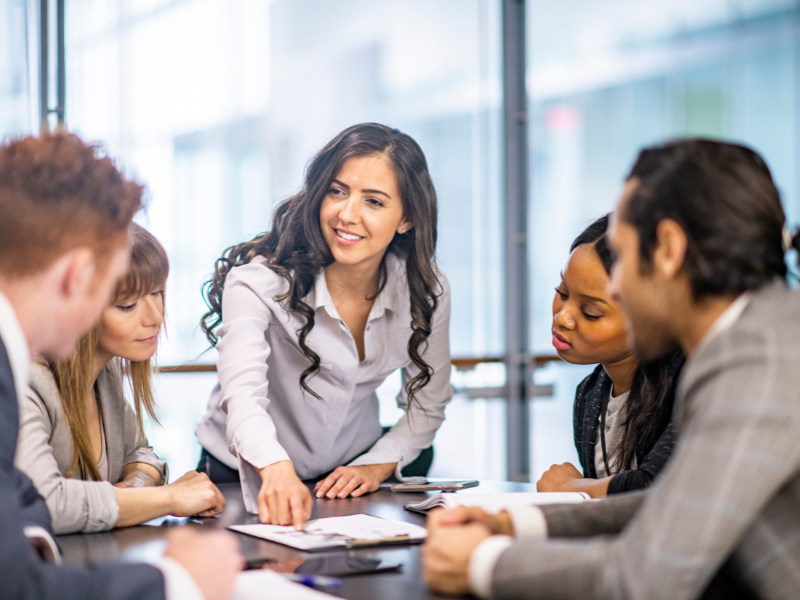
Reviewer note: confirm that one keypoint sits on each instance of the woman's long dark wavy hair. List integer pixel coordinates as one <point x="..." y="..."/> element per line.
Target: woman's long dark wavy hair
<point x="296" y="250"/>
<point x="646" y="411"/>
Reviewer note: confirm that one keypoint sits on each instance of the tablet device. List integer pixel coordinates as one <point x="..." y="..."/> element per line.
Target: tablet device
<point x="435" y="486"/>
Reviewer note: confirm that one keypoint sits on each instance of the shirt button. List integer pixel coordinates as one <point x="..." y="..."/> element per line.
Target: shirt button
<point x="367" y="362"/>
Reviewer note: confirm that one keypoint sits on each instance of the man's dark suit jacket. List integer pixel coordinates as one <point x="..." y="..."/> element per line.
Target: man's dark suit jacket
<point x="22" y="574"/>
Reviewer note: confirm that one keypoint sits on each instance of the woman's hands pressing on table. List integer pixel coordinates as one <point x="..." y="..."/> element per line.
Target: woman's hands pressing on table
<point x="353" y="481"/>
<point x="285" y="500"/>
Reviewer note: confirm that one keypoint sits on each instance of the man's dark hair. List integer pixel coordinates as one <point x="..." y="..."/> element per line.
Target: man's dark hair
<point x="724" y="198"/>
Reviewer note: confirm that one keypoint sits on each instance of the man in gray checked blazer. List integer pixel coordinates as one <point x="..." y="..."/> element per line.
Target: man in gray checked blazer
<point x="700" y="239"/>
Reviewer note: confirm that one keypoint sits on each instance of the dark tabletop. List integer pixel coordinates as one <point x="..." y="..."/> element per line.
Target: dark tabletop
<point x="146" y="542"/>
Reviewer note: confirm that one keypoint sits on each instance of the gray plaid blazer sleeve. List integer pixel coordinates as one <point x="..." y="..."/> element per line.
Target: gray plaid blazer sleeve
<point x="591" y="518"/>
<point x="731" y="492"/>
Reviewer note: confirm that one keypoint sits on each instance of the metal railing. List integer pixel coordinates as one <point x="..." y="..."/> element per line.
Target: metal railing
<point x="460" y="364"/>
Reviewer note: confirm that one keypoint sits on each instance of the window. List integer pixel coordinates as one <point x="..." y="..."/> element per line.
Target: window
<point x="219" y="106"/>
<point x="16" y="110"/>
<point x="606" y="79"/>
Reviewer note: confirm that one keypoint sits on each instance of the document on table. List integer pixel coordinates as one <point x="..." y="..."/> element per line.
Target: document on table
<point x="496" y="502"/>
<point x="258" y="584"/>
<point x="352" y="531"/>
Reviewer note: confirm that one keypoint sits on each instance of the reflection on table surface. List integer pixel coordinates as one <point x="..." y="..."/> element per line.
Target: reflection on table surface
<point x="146" y="543"/>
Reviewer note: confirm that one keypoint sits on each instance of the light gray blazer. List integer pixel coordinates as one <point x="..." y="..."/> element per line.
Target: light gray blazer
<point x="724" y="516"/>
<point x="44" y="451"/>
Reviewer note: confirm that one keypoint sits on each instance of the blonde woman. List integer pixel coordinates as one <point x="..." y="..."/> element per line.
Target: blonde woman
<point x="81" y="442"/>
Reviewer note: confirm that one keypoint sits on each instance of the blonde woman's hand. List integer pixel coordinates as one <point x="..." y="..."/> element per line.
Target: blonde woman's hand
<point x="193" y="494"/>
<point x="283" y="499"/>
<point x="353" y="481"/>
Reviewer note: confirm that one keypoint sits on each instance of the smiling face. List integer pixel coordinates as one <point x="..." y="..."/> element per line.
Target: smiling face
<point x="588" y="326"/>
<point x="362" y="211"/>
<point x="129" y="328"/>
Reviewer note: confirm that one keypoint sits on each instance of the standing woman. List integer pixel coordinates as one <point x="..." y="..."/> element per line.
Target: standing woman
<point x="312" y="316"/>
<point x="623" y="410"/>
<point x="81" y="443"/>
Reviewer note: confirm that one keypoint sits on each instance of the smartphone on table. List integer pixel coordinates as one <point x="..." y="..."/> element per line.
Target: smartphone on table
<point x="435" y="486"/>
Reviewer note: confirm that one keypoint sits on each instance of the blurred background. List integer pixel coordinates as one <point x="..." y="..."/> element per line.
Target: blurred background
<point x="218" y="106"/>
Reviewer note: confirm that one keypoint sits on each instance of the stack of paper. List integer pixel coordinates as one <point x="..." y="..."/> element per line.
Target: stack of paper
<point x="497" y="502"/>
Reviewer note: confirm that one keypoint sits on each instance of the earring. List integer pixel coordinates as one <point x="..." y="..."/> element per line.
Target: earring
<point x="402" y="231"/>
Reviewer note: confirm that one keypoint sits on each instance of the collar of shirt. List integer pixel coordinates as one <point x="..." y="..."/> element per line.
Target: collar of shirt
<point x="728" y="318"/>
<point x="388" y="299"/>
<point x="16" y="345"/>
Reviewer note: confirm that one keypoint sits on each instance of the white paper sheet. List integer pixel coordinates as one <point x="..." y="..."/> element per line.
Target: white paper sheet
<point x="334" y="532"/>
<point x="268" y="585"/>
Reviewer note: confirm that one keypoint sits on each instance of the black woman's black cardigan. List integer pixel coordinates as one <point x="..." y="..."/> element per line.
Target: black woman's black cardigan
<point x="590" y="396"/>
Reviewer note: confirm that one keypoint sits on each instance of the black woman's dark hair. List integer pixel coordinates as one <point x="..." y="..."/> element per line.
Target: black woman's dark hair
<point x="724" y="198"/>
<point x="296" y="250"/>
<point x="649" y="405"/>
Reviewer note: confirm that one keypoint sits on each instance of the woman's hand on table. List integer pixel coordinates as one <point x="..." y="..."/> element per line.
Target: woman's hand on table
<point x="353" y="481"/>
<point x="566" y="478"/>
<point x="283" y="499"/>
<point x="194" y="494"/>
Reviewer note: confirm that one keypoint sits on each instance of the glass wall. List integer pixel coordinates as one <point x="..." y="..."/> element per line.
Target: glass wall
<point x="219" y="106"/>
<point x="604" y="80"/>
<point x="16" y="109"/>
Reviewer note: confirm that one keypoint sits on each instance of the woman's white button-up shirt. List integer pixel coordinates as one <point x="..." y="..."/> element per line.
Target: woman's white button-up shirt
<point x="258" y="414"/>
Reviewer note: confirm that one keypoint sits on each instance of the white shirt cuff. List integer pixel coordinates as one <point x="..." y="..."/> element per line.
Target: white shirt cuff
<point x="528" y="521"/>
<point x="385" y="450"/>
<point x="482" y="562"/>
<point x="256" y="442"/>
<point x="178" y="584"/>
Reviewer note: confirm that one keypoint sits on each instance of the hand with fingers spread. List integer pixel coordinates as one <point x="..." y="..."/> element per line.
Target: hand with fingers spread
<point x="283" y="499"/>
<point x="497" y="524"/>
<point x="353" y="481"/>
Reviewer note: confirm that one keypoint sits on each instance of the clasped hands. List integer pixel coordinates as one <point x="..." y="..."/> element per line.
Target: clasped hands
<point x="453" y="535"/>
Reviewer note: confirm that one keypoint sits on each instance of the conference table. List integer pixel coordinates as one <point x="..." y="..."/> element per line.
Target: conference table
<point x="146" y="542"/>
